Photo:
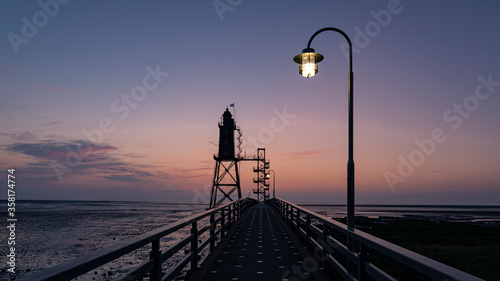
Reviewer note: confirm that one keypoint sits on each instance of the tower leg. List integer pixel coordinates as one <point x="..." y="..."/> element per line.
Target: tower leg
<point x="226" y="181"/>
<point x="213" y="196"/>
<point x="237" y="179"/>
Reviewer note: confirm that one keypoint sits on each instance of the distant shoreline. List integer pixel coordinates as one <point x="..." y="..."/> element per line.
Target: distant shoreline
<point x="304" y="204"/>
<point x="449" y="213"/>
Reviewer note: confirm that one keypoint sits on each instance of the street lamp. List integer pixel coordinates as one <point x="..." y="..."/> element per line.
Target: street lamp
<point x="274" y="182"/>
<point x="308" y="60"/>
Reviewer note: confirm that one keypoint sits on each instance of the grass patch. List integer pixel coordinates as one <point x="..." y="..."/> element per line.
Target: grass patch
<point x="474" y="249"/>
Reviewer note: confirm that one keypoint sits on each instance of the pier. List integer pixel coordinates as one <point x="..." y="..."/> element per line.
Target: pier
<point x="261" y="247"/>
<point x="247" y="240"/>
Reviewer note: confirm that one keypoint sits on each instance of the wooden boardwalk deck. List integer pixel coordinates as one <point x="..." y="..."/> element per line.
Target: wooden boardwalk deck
<point x="259" y="247"/>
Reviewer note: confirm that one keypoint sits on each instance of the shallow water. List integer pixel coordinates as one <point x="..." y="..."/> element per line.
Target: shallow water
<point x="434" y="212"/>
<point x="51" y="232"/>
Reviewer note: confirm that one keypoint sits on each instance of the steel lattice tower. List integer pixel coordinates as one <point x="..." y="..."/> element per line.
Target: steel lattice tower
<point x="262" y="189"/>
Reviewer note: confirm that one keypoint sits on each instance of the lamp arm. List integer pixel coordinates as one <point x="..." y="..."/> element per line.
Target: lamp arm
<point x="339" y="31"/>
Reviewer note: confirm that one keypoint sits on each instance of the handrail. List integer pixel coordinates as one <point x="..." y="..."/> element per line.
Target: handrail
<point x="81" y="265"/>
<point x="293" y="213"/>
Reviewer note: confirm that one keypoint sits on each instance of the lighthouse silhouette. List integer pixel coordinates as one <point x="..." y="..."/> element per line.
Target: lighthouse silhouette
<point x="226" y="179"/>
<point x="226" y="136"/>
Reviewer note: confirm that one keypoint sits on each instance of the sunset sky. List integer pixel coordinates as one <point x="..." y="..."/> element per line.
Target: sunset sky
<point x="119" y="100"/>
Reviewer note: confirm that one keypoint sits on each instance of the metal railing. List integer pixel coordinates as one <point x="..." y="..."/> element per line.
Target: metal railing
<point x="318" y="231"/>
<point x="220" y="219"/>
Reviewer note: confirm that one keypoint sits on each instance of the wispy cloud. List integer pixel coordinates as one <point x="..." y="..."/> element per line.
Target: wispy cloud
<point x="125" y="178"/>
<point x="301" y="154"/>
<point x="23" y="136"/>
<point x="12" y="107"/>
<point x="189" y="173"/>
<point x="50" y="150"/>
<point x="98" y="161"/>
<point x="51" y="123"/>
<point x="190" y="170"/>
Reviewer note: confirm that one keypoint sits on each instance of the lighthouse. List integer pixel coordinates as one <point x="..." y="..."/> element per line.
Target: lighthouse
<point x="226" y="179"/>
<point x="226" y="136"/>
<point x="226" y="182"/>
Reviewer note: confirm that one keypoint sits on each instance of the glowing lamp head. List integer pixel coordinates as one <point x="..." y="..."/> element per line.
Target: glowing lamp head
<point x="308" y="61"/>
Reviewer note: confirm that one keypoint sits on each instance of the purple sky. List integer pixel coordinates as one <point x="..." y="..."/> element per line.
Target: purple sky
<point x="118" y="100"/>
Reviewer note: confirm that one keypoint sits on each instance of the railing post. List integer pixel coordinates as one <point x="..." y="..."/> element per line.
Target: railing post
<point x="283" y="211"/>
<point x="222" y="223"/>
<point x="212" y="231"/>
<point x="290" y="215"/>
<point x="235" y="218"/>
<point x="363" y="255"/>
<point x="297" y="221"/>
<point x="308" y="232"/>
<point x="325" y="245"/>
<point x="155" y="255"/>
<point x="235" y="213"/>
<point x="241" y="210"/>
<point x="287" y="214"/>
<point x="229" y="222"/>
<point x="238" y="210"/>
<point x="194" y="246"/>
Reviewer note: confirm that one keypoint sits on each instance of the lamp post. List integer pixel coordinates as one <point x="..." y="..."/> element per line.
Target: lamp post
<point x="274" y="182"/>
<point x="308" y="60"/>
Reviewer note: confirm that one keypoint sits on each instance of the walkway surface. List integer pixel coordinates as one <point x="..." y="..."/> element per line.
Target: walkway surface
<point x="259" y="249"/>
